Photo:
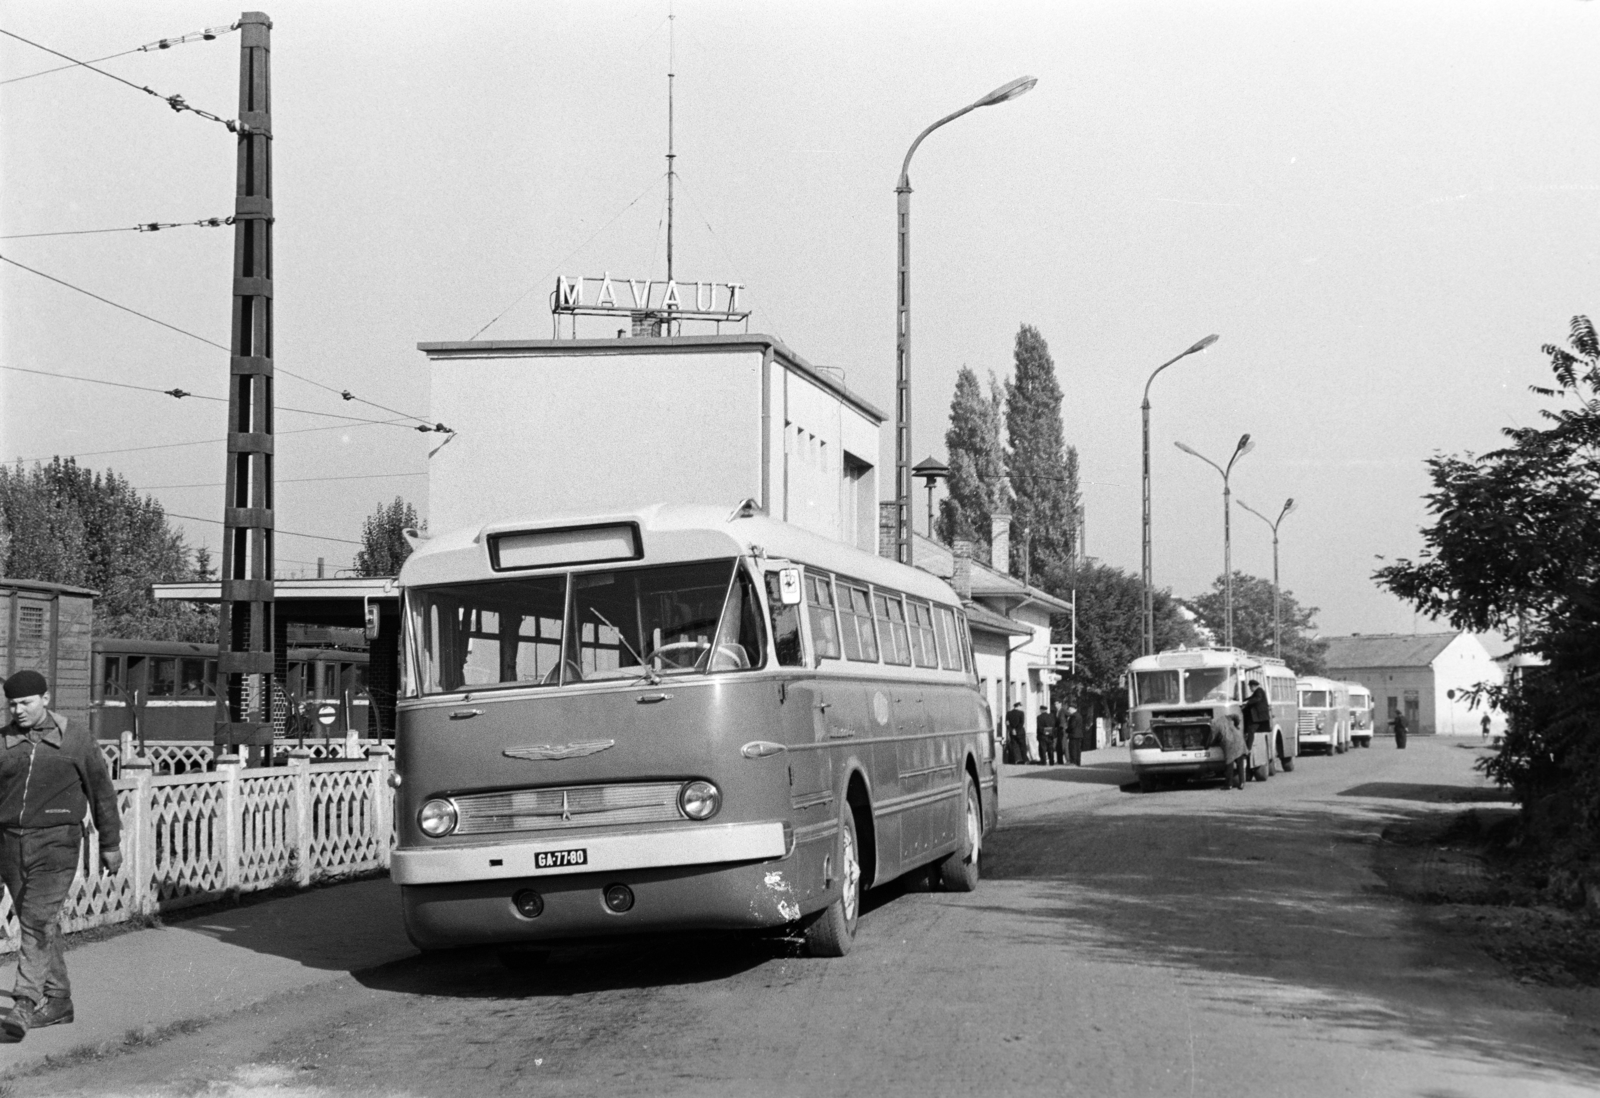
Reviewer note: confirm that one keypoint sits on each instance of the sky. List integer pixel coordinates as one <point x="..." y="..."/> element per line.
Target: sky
<point x="1383" y="209"/>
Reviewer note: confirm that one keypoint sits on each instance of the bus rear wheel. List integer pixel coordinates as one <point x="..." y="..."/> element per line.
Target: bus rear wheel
<point x="832" y="930"/>
<point x="959" y="871"/>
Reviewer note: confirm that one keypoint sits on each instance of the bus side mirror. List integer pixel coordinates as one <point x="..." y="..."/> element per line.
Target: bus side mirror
<point x="789" y="586"/>
<point x="371" y="624"/>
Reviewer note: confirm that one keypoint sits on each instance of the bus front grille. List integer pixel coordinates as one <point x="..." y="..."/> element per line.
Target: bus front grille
<point x="567" y="807"/>
<point x="1184" y="737"/>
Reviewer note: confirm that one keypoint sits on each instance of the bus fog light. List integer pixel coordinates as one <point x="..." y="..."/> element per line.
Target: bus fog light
<point x="529" y="904"/>
<point x="438" y="818"/>
<point x="699" y="800"/>
<point x="619" y="898"/>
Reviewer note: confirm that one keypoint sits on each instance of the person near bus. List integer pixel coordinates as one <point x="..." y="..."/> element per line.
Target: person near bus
<point x="1049" y="737"/>
<point x="1016" y="734"/>
<point x="1399" y="724"/>
<point x="1226" y="734"/>
<point x="1074" y="736"/>
<point x="1257" y="715"/>
<point x="52" y="777"/>
<point x="1484" y="723"/>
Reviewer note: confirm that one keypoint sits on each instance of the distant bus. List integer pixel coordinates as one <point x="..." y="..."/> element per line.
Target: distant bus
<point x="1172" y="697"/>
<point x="1325" y="714"/>
<point x="171" y="687"/>
<point x="1360" y="715"/>
<point x="677" y="719"/>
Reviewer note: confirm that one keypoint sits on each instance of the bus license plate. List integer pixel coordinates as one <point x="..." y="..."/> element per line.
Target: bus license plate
<point x="556" y="859"/>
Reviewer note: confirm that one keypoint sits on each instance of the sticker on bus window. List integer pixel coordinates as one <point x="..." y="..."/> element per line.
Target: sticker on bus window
<point x="557" y="859"/>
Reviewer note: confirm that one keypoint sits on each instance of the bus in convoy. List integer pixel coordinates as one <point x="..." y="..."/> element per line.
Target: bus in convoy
<point x="1324" y="714"/>
<point x="166" y="690"/>
<point x="676" y="718"/>
<point x="1360" y="714"/>
<point x="1172" y="697"/>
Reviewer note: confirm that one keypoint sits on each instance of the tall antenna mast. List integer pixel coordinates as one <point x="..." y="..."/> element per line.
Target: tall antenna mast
<point x="671" y="65"/>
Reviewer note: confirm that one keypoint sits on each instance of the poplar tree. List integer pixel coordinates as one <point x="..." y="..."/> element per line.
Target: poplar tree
<point x="976" y="456"/>
<point x="384" y="547"/>
<point x="1042" y="467"/>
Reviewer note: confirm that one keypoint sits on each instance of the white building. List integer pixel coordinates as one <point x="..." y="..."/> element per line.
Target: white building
<point x="1423" y="676"/>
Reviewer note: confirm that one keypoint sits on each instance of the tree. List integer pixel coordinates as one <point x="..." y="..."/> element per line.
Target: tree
<point x="63" y="524"/>
<point x="977" y="485"/>
<point x="1515" y="546"/>
<point x="1110" y="632"/>
<point x="1252" y="621"/>
<point x="1043" y="469"/>
<point x="384" y="547"/>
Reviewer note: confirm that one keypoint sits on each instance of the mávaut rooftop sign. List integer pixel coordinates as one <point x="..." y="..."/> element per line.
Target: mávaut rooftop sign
<point x="604" y="296"/>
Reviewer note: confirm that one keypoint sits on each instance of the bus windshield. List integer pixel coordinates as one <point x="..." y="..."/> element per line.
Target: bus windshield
<point x="1313" y="699"/>
<point x="636" y="623"/>
<point x="1155" y="687"/>
<point x="1207" y="684"/>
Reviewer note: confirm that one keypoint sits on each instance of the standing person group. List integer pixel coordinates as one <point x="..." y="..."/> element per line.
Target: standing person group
<point x="51" y="776"/>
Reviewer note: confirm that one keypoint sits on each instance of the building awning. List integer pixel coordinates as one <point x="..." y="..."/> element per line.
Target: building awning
<point x="378" y="587"/>
<point x="987" y="621"/>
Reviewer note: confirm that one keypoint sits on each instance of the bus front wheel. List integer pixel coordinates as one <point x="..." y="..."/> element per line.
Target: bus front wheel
<point x="1287" y="761"/>
<point x="832" y="930"/>
<point x="958" y="872"/>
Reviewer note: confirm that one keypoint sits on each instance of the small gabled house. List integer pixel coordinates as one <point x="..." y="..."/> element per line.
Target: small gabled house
<point x="1423" y="676"/>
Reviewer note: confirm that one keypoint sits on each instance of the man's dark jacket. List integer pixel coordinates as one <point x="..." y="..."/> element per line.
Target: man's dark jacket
<point x="55" y="780"/>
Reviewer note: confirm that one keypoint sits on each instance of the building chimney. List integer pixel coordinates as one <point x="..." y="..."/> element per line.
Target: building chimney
<point x="888" y="529"/>
<point x="961" y="560"/>
<point x="1000" y="543"/>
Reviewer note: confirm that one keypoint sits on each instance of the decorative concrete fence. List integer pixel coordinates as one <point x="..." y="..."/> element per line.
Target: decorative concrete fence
<point x="191" y="756"/>
<point x="192" y="838"/>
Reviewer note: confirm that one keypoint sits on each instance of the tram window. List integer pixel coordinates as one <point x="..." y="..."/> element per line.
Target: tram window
<point x="891" y="617"/>
<point x="192" y="678"/>
<point x="824" y="622"/>
<point x="163" y="677"/>
<point x="785" y="625"/>
<point x="945" y="637"/>
<point x="111" y="681"/>
<point x="855" y="624"/>
<point x="924" y="646"/>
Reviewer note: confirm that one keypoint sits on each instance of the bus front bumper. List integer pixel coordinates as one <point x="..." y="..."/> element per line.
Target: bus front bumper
<point x="1155" y="761"/>
<point x="602" y="853"/>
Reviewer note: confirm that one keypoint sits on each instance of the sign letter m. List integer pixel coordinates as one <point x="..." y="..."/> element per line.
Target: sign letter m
<point x="568" y="294"/>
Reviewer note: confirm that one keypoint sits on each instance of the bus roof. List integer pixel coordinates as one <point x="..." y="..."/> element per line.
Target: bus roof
<point x="1207" y="657"/>
<point x="1318" y="682"/>
<point x="667" y="533"/>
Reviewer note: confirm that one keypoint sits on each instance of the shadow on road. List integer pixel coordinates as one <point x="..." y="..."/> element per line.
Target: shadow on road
<point x="1091" y="774"/>
<point x="1431" y="793"/>
<point x="1285" y="904"/>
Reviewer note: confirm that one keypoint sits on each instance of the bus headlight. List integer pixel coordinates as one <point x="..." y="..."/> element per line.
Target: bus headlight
<point x="699" y="800"/>
<point x="1143" y="741"/>
<point x="438" y="818"/>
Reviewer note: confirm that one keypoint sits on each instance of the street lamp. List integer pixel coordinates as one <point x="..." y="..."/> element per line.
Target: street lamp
<point x="902" y="349"/>
<point x="1149" y="616"/>
<point x="1288" y="505"/>
<point x="1239" y="451"/>
<point x="931" y="471"/>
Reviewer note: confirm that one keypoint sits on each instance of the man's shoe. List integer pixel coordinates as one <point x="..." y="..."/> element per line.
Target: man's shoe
<point x="18" y="1019"/>
<point x="57" y="1010"/>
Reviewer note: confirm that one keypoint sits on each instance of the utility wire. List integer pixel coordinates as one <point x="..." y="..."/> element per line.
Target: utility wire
<point x="209" y="34"/>
<point x="181" y="393"/>
<point x="198" y="442"/>
<point x="289" y="480"/>
<point x="423" y="424"/>
<point x="289" y="533"/>
<point x="142" y="227"/>
<point x="563" y="262"/>
<point x="176" y="102"/>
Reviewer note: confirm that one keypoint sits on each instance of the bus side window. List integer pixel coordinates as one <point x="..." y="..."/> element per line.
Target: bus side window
<point x="855" y="622"/>
<point x="824" y="622"/>
<point x="924" y="649"/>
<point x="964" y="638"/>
<point x="891" y="616"/>
<point x="945" y="637"/>
<point x="785" y="625"/>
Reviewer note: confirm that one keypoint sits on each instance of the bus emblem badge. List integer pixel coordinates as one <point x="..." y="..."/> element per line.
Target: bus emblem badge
<point x="546" y="751"/>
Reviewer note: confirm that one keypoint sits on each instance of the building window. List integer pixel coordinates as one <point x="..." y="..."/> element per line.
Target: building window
<point x="30" y="623"/>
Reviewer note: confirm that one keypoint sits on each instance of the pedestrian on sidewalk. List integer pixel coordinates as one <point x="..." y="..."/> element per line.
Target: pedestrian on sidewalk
<point x="1016" y="734"/>
<point x="1074" y="736"/>
<point x="50" y="776"/>
<point x="1399" y="723"/>
<point x="1049" y="737"/>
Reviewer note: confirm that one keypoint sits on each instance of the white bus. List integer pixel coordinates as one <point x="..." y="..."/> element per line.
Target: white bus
<point x="1172" y="697"/>
<point x="1325" y="714"/>
<point x="1360" y="715"/>
<point x="673" y="719"/>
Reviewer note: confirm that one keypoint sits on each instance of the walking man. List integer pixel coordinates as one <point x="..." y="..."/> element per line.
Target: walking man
<point x="1049" y="737"/>
<point x="1074" y="736"/>
<point x="1016" y="735"/>
<point x="50" y="776"/>
<point x="1399" y="724"/>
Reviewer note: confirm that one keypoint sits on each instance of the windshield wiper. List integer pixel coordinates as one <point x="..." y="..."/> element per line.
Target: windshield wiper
<point x="650" y="675"/>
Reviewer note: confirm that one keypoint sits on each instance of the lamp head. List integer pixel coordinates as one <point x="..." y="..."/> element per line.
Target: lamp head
<point x="1288" y="505"/>
<point x="1189" y="450"/>
<point x="1008" y="91"/>
<point x="1244" y="447"/>
<point x="1203" y="344"/>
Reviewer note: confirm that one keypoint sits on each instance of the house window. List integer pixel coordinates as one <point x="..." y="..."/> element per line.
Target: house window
<point x="30" y="623"/>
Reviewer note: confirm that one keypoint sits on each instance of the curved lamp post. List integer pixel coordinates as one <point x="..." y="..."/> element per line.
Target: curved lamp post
<point x="902" y="326"/>
<point x="1239" y="451"/>
<point x="1288" y="506"/>
<point x="932" y="471"/>
<point x="1149" y="616"/>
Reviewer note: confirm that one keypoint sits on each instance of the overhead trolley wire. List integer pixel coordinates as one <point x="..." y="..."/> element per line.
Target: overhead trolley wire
<point x="142" y="227"/>
<point x="287" y="533"/>
<point x="207" y="35"/>
<point x="176" y="102"/>
<point x="422" y="425"/>
<point x="202" y="441"/>
<point x="288" y="480"/>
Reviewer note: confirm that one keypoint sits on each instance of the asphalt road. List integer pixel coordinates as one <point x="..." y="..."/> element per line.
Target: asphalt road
<point x="1192" y="942"/>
